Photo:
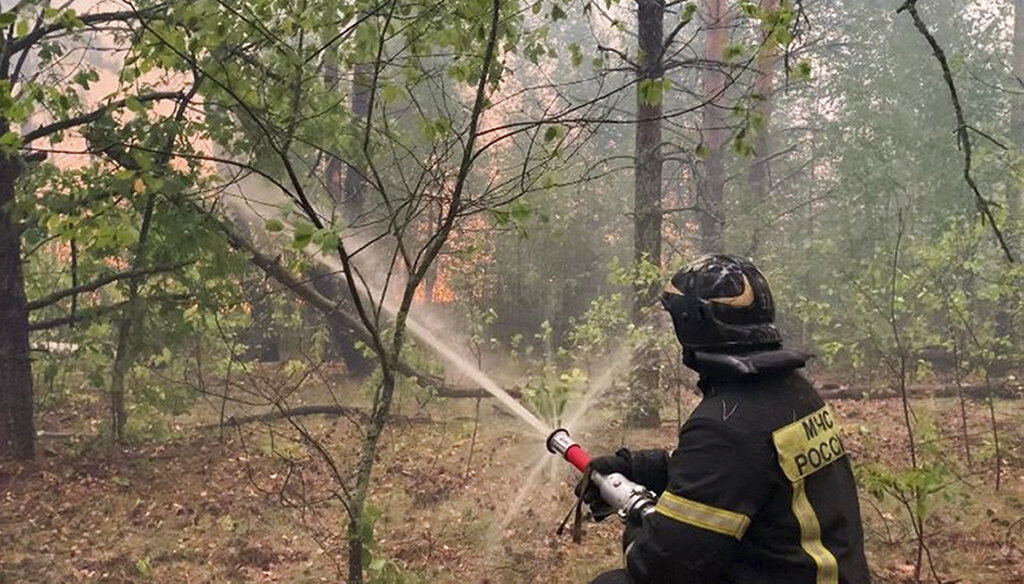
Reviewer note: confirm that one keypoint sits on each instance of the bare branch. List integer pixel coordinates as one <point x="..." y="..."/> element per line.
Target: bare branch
<point x="963" y="136"/>
<point x="40" y="32"/>
<point x="89" y="117"/>
<point x="98" y="311"/>
<point x="96" y="284"/>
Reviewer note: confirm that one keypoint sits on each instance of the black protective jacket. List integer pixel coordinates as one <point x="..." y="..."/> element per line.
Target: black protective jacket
<point x="759" y="490"/>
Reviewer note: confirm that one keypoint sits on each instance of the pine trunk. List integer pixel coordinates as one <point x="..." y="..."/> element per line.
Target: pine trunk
<point x="764" y="87"/>
<point x="647" y="214"/>
<point x="1014" y="193"/>
<point x="355" y="185"/>
<point x="711" y="183"/>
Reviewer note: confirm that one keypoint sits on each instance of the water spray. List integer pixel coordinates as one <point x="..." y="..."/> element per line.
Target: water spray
<point x="627" y="498"/>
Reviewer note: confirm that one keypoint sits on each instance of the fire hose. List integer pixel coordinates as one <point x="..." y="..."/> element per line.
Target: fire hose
<point x="627" y="498"/>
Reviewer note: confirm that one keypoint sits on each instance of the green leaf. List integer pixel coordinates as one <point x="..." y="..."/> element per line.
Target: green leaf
<point x="7" y="18"/>
<point x="144" y="568"/>
<point x="575" y="54"/>
<point x="9" y="143"/>
<point x="733" y="51"/>
<point x="551" y="133"/>
<point x="803" y="70"/>
<point x="273" y="225"/>
<point x="389" y="92"/>
<point x="69" y="19"/>
<point x="326" y="239"/>
<point x="557" y="13"/>
<point x="651" y="91"/>
<point x="688" y="13"/>
<point x="303" y="235"/>
<point x="85" y="77"/>
<point x="134" y="105"/>
<point x="442" y="127"/>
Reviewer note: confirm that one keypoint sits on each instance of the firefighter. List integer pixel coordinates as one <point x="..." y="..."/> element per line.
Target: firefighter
<point x="759" y="489"/>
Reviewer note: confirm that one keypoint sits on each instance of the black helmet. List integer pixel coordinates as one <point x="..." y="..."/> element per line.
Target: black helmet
<point x="722" y="303"/>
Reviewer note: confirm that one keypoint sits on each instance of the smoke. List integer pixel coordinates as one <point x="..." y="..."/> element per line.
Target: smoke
<point x="252" y="199"/>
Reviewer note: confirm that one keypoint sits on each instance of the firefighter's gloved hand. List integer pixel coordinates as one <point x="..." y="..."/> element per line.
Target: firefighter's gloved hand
<point x="620" y="462"/>
<point x="634" y="525"/>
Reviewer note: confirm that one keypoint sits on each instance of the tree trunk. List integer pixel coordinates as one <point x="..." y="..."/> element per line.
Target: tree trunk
<point x="1005" y="322"/>
<point x="331" y="285"/>
<point x="360" y="526"/>
<point x="261" y="336"/>
<point x="764" y="86"/>
<point x="355" y="549"/>
<point x="355" y="186"/>
<point x="130" y="318"/>
<point x="647" y="217"/>
<point x="17" y="434"/>
<point x="1014" y="193"/>
<point x="348" y="193"/>
<point x="711" y="183"/>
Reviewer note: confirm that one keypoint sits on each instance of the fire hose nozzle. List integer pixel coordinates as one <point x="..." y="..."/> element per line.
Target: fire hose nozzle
<point x="559" y="441"/>
<point x="625" y="496"/>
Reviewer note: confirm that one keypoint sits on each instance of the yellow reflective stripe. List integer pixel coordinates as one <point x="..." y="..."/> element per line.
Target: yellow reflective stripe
<point x="810" y="536"/>
<point x="704" y="516"/>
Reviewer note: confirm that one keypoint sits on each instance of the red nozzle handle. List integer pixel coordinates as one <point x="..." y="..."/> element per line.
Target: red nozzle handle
<point x="559" y="442"/>
<point x="577" y="457"/>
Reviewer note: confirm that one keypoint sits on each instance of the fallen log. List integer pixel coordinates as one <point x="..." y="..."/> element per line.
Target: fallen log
<point x="1006" y="389"/>
<point x="446" y="390"/>
<point x="310" y="410"/>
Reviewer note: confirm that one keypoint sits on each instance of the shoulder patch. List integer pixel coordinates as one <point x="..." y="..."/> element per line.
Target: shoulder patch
<point x="808" y="444"/>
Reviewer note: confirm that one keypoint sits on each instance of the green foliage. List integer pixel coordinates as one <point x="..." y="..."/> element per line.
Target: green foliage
<point x="548" y="395"/>
<point x="918" y="490"/>
<point x="652" y="91"/>
<point x="646" y="273"/>
<point x="144" y="568"/>
<point x="600" y="326"/>
<point x="802" y="71"/>
<point x="380" y="569"/>
<point x="518" y="213"/>
<point x="575" y="54"/>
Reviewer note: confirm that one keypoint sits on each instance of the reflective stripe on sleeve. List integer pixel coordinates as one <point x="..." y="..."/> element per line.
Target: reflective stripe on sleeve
<point x="703" y="516"/>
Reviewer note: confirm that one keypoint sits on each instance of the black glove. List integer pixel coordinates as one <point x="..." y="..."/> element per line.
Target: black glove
<point x="634" y="525"/>
<point x="621" y="462"/>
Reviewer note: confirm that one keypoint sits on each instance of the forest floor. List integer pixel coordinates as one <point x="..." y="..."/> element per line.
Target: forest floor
<point x="250" y="507"/>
